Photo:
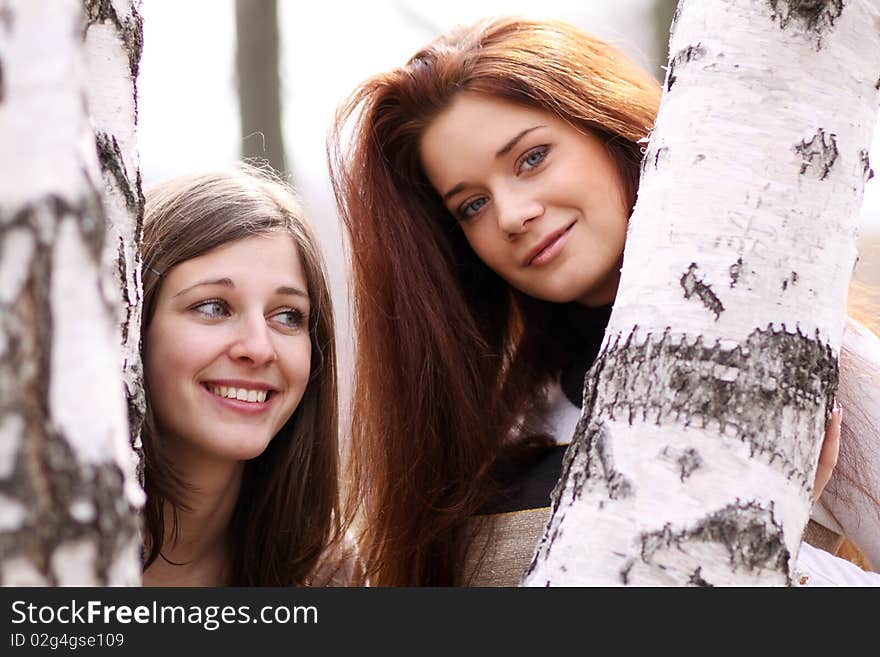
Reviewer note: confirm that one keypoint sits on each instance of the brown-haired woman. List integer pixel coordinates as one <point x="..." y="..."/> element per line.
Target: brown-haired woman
<point x="469" y="299"/>
<point x="240" y="438"/>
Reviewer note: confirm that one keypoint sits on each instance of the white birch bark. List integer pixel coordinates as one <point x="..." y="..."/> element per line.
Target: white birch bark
<point x="113" y="43"/>
<point x="68" y="487"/>
<point x="694" y="458"/>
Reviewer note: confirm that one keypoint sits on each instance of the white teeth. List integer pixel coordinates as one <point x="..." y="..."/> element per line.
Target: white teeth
<point x="242" y="394"/>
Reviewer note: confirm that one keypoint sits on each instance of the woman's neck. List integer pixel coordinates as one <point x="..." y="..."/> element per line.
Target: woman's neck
<point x="605" y="291"/>
<point x="199" y="554"/>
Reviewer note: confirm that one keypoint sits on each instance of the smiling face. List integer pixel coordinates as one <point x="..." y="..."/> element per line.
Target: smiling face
<point x="228" y="351"/>
<point x="539" y="202"/>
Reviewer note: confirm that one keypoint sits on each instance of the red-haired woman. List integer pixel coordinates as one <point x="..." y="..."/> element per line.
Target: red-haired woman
<point x="468" y="303"/>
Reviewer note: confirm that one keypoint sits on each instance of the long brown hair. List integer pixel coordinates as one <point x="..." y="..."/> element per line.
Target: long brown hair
<point x="448" y="355"/>
<point x="286" y="515"/>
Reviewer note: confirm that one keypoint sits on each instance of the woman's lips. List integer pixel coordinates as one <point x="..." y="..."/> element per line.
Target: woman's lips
<point x="550" y="248"/>
<point x="245" y="407"/>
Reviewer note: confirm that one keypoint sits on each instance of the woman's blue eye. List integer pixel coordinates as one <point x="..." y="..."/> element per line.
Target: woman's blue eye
<point x="292" y="319"/>
<point x="212" y="309"/>
<point x="471" y="208"/>
<point x="533" y="158"/>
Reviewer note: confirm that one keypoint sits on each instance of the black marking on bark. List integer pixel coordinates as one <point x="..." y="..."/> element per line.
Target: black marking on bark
<point x="675" y="15"/>
<point x="112" y="161"/>
<point x="688" y="461"/>
<point x="87" y="212"/>
<point x="654" y="157"/>
<point x="26" y="485"/>
<point x="123" y="280"/>
<point x="89" y="216"/>
<point x="683" y="56"/>
<point x="735" y="271"/>
<point x="692" y="286"/>
<point x="112" y="523"/>
<point x="793" y="278"/>
<point x="39" y="419"/>
<point x="750" y="533"/>
<point x="139" y="222"/>
<point x="660" y="155"/>
<point x="865" y="159"/>
<point x="625" y="571"/>
<point x="696" y="579"/>
<point x="135" y="394"/>
<point x="818" y="153"/>
<point x="28" y="352"/>
<point x="814" y="17"/>
<point x="619" y="487"/>
<point x="877" y="86"/>
<point x="742" y="390"/>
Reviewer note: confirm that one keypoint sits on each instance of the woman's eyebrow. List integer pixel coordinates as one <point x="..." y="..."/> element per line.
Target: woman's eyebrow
<point x="513" y="142"/>
<point x="292" y="291"/>
<point x="227" y="282"/>
<point x="504" y="150"/>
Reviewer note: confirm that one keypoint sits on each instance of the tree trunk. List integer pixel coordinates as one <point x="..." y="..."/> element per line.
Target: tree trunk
<point x="694" y="459"/>
<point x="68" y="488"/>
<point x="113" y="46"/>
<point x="259" y="83"/>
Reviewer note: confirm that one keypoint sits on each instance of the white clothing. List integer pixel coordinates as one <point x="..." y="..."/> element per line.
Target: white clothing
<point x="816" y="567"/>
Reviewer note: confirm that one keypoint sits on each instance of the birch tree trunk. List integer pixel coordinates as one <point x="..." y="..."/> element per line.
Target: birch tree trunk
<point x="68" y="486"/>
<point x="694" y="459"/>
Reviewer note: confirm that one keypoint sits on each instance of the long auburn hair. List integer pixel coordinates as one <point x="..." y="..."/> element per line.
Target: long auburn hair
<point x="448" y="355"/>
<point x="287" y="512"/>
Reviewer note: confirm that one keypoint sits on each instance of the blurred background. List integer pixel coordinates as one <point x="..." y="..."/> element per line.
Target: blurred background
<point x="297" y="61"/>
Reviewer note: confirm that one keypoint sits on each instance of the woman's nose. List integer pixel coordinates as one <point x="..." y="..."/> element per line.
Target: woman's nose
<point x="515" y="210"/>
<point x="253" y="341"/>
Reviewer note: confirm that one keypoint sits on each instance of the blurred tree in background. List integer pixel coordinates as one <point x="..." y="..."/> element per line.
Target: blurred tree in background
<point x="664" y="10"/>
<point x="259" y="83"/>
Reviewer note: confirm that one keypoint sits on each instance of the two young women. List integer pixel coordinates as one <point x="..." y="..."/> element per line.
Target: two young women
<point x="486" y="188"/>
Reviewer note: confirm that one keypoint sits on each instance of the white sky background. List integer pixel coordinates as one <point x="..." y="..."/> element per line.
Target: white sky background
<point x="188" y="107"/>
